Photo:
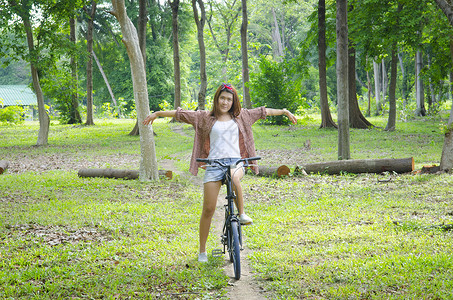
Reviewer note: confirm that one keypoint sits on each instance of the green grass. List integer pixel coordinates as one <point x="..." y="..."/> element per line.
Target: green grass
<point x="314" y="237"/>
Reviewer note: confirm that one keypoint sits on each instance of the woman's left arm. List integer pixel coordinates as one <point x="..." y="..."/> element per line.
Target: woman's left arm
<point x="280" y="112"/>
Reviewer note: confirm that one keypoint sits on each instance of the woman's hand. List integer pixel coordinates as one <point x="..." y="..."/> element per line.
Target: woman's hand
<point x="150" y="119"/>
<point x="290" y="116"/>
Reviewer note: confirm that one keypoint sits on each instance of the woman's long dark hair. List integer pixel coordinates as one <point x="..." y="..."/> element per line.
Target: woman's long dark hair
<point x="235" y="109"/>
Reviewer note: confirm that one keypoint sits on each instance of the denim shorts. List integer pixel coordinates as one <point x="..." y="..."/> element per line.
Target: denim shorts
<point x="216" y="173"/>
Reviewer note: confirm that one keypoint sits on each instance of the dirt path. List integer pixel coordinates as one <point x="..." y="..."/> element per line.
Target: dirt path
<point x="246" y="287"/>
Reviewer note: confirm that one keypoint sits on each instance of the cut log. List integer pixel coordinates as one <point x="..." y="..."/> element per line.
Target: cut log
<point x="274" y="171"/>
<point x="298" y="171"/>
<point x="3" y="166"/>
<point x="118" y="173"/>
<point x="398" y="165"/>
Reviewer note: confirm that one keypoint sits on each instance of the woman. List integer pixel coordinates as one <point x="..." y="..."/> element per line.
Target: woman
<point x="223" y="133"/>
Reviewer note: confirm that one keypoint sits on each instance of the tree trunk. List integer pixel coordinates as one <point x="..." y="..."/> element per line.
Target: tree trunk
<point x="368" y="81"/>
<point x="404" y="83"/>
<point x="384" y="82"/>
<point x="420" y="94"/>
<point x="148" y="162"/>
<point x="342" y="79"/>
<point x="200" y="22"/>
<point x="377" y="86"/>
<point x="106" y="83"/>
<point x="245" y="58"/>
<point x="356" y="118"/>
<point x="326" y="117"/>
<point x="446" y="161"/>
<point x="391" y="123"/>
<point x="44" y="120"/>
<point x="176" y="62"/>
<point x="142" y="21"/>
<point x="118" y="173"/>
<point x="75" y="114"/>
<point x="3" y="166"/>
<point x="91" y="13"/>
<point x="401" y="165"/>
<point x="276" y="38"/>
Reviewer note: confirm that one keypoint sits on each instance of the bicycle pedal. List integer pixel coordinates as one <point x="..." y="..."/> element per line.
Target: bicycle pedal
<point x="217" y="253"/>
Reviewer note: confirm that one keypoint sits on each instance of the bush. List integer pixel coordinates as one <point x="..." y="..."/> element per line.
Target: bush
<point x="274" y="87"/>
<point x="12" y="115"/>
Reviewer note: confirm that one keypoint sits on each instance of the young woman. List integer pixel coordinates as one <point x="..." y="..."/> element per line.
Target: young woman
<point x="223" y="133"/>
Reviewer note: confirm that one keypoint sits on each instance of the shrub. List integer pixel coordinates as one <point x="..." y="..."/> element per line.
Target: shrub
<point x="274" y="87"/>
<point x="12" y="115"/>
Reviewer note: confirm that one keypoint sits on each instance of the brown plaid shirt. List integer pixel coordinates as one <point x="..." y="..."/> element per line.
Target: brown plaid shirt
<point x="202" y="121"/>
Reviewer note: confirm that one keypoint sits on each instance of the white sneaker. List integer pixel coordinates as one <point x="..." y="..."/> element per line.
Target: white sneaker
<point x="245" y="220"/>
<point x="203" y="257"/>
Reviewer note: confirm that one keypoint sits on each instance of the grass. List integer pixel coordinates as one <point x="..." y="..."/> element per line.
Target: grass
<point x="314" y="237"/>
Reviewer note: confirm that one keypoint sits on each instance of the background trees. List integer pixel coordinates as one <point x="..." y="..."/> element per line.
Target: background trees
<point x="401" y="53"/>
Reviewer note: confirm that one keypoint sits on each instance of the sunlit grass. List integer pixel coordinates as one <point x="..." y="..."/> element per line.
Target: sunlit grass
<point x="317" y="237"/>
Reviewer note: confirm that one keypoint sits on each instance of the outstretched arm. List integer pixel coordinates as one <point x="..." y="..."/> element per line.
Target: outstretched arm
<point x="280" y="112"/>
<point x="162" y="113"/>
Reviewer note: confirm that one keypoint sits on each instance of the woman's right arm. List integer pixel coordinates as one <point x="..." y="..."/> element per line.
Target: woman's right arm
<point x="162" y="113"/>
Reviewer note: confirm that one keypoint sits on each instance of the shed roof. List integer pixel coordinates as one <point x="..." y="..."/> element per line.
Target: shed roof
<point x="17" y="95"/>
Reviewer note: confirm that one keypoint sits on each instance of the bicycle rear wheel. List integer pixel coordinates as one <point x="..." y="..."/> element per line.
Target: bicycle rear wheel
<point x="234" y="251"/>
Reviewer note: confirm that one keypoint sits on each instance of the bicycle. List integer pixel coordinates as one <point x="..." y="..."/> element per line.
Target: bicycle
<point x="231" y="237"/>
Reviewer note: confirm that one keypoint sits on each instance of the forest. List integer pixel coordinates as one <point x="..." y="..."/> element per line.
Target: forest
<point x="80" y="58"/>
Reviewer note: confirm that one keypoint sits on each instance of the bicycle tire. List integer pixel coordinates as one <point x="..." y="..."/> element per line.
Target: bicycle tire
<point x="235" y="249"/>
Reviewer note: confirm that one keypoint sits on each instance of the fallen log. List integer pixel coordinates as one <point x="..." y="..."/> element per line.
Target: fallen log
<point x="398" y="165"/>
<point x="3" y="166"/>
<point x="279" y="171"/>
<point x="118" y="173"/>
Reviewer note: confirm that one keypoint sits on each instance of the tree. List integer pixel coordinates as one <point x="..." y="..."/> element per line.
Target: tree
<point x="245" y="57"/>
<point x="91" y="12"/>
<point x="176" y="61"/>
<point x="74" y="114"/>
<point x="22" y="9"/>
<point x="342" y="79"/>
<point x="446" y="161"/>
<point x="142" y="21"/>
<point x="200" y="21"/>
<point x="326" y="117"/>
<point x="148" y="162"/>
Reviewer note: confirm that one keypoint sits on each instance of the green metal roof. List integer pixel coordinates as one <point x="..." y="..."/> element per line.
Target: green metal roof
<point x="17" y="95"/>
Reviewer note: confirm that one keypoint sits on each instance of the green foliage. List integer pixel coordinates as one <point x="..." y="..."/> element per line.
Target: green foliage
<point x="11" y="114"/>
<point x="274" y="87"/>
<point x="60" y="87"/>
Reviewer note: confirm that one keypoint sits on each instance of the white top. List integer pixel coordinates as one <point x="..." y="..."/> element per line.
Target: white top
<point x="224" y="140"/>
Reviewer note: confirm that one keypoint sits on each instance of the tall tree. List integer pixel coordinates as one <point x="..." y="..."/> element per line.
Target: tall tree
<point x="245" y="57"/>
<point x="75" y="114"/>
<point x="91" y="12"/>
<point x="419" y="87"/>
<point x="23" y="9"/>
<point x="356" y="118"/>
<point x="326" y="117"/>
<point x="342" y="79"/>
<point x="148" y="161"/>
<point x="446" y="161"/>
<point x="142" y="21"/>
<point x="200" y="21"/>
<point x="176" y="60"/>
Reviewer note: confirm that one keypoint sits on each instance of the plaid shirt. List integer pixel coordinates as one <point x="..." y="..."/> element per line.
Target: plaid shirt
<point x="202" y="121"/>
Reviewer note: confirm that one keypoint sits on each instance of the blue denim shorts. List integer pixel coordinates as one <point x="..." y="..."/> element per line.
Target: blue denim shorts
<point x="216" y="173"/>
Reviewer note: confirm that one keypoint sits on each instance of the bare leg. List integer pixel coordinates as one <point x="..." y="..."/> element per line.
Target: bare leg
<point x="211" y="192"/>
<point x="237" y="176"/>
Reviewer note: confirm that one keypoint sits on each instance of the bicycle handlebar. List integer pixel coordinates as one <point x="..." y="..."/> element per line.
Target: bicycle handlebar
<point x="217" y="161"/>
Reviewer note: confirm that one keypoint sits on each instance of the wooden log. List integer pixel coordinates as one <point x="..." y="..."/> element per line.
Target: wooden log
<point x="118" y="173"/>
<point x="430" y="169"/>
<point x="3" y="166"/>
<point x="398" y="165"/>
<point x="279" y="171"/>
<point x="298" y="171"/>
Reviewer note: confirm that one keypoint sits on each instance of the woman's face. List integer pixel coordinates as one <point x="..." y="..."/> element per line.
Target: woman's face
<point x="225" y="102"/>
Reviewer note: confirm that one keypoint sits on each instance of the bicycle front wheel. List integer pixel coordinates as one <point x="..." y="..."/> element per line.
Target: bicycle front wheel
<point x="234" y="251"/>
